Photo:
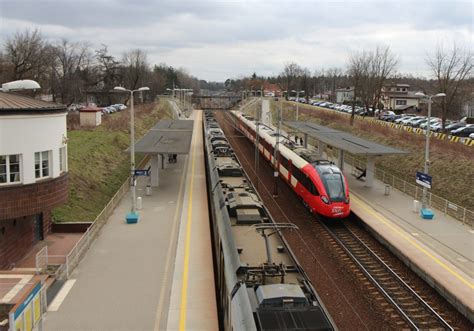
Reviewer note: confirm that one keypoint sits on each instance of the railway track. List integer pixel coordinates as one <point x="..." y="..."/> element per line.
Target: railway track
<point x="322" y="255"/>
<point x="415" y="311"/>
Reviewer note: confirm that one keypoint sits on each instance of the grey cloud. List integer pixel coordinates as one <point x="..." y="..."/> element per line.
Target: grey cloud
<point x="250" y="35"/>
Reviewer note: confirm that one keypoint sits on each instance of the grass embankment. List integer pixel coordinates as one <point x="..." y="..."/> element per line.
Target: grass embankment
<point x="452" y="164"/>
<point x="97" y="163"/>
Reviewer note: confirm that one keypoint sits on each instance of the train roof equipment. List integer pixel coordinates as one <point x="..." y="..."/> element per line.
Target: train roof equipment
<point x="265" y="286"/>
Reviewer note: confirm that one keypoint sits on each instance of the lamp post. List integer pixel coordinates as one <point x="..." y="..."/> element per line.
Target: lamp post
<point x="297" y="100"/>
<point x="132" y="217"/>
<point x="424" y="202"/>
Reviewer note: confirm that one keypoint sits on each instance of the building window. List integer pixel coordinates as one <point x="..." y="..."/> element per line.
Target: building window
<point x="41" y="164"/>
<point x="400" y="102"/>
<point x="10" y="169"/>
<point x="62" y="159"/>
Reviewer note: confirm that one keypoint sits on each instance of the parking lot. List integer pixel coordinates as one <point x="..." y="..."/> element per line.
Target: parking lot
<point x="455" y="131"/>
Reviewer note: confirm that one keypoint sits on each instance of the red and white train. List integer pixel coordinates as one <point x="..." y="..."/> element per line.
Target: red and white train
<point x="319" y="183"/>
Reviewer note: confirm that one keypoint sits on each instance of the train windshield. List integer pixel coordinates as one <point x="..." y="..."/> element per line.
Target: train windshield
<point x="334" y="184"/>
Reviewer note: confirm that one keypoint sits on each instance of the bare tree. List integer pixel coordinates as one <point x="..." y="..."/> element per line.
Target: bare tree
<point x="290" y="73"/>
<point x="70" y="61"/>
<point x="334" y="75"/>
<point x="384" y="64"/>
<point x="27" y="52"/>
<point x="357" y="71"/>
<point x="368" y="71"/>
<point x="135" y="68"/>
<point x="305" y="82"/>
<point x="450" y="69"/>
<point x="6" y="69"/>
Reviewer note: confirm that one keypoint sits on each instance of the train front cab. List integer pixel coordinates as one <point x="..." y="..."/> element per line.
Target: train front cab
<point x="315" y="196"/>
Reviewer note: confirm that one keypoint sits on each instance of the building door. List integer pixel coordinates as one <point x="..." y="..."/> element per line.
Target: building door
<point x="39" y="227"/>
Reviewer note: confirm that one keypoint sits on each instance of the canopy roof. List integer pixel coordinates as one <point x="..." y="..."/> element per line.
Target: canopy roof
<point x="167" y="137"/>
<point x="343" y="140"/>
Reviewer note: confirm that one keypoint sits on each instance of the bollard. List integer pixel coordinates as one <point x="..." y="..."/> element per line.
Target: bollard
<point x="387" y="189"/>
<point x="139" y="203"/>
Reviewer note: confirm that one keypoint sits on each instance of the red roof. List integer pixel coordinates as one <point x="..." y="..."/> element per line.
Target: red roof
<point x="90" y="109"/>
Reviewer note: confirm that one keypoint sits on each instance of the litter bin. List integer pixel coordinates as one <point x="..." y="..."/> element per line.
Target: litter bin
<point x="148" y="190"/>
<point x="387" y="189"/>
<point x="139" y="203"/>
<point x="416" y="206"/>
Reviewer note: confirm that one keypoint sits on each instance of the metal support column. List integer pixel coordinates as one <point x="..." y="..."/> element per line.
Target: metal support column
<point x="305" y="140"/>
<point x="321" y="148"/>
<point x="370" y="171"/>
<point x="340" y="161"/>
<point x="155" y="170"/>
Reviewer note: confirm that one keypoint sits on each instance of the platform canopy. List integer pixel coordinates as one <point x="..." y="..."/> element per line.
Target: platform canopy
<point x="343" y="140"/>
<point x="167" y="137"/>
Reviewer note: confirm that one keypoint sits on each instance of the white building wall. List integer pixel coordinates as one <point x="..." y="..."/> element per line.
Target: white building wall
<point x="27" y="134"/>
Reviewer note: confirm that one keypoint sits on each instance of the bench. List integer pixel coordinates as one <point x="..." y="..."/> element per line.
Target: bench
<point x="358" y="173"/>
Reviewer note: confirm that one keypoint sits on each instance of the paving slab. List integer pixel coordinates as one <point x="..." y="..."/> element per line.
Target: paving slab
<point x="122" y="280"/>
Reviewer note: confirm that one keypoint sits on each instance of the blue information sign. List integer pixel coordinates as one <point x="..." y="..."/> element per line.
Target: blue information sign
<point x="423" y="179"/>
<point x="141" y="172"/>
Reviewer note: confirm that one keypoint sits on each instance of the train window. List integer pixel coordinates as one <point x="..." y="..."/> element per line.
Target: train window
<point x="334" y="185"/>
<point x="312" y="188"/>
<point x="283" y="161"/>
<point x="298" y="175"/>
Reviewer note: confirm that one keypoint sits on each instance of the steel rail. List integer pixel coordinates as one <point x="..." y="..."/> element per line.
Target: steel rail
<point x="390" y="272"/>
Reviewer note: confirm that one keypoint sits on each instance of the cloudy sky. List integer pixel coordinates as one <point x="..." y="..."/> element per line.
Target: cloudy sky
<point x="216" y="40"/>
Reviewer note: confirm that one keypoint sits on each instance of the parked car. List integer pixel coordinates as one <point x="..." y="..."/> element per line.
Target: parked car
<point x="404" y="117"/>
<point x="455" y="126"/>
<point x="385" y="113"/>
<point x="464" y="131"/>
<point x="414" y="119"/>
<point x="433" y="121"/>
<point x="471" y="136"/>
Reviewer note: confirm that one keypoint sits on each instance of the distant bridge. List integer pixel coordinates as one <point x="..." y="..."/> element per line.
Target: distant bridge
<point x="216" y="101"/>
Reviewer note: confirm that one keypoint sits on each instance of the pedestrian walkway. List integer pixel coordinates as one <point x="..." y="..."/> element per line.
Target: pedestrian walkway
<point x="124" y="281"/>
<point x="193" y="300"/>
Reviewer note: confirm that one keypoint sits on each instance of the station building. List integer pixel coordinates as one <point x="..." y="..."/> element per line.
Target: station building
<point x="33" y="172"/>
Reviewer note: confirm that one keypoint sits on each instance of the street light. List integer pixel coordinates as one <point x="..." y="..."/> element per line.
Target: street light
<point x="424" y="202"/>
<point x="132" y="217"/>
<point x="297" y="100"/>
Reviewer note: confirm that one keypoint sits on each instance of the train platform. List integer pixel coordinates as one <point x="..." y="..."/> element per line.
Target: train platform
<point x="153" y="275"/>
<point x="440" y="250"/>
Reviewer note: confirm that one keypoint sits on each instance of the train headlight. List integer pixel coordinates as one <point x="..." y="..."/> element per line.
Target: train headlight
<point x="325" y="199"/>
<point x="348" y="200"/>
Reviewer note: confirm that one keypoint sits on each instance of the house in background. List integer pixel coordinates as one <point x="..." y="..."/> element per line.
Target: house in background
<point x="345" y="94"/>
<point x="399" y="97"/>
<point x="33" y="172"/>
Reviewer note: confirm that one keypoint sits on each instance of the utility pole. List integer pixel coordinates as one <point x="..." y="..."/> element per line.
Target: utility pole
<point x="257" y="142"/>
<point x="276" y="152"/>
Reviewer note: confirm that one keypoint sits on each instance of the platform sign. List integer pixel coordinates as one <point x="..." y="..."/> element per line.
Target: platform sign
<point x="26" y="315"/>
<point x="141" y="172"/>
<point x="423" y="179"/>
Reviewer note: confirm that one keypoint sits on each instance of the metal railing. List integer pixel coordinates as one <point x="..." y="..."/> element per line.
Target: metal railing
<point x="458" y="212"/>
<point x="41" y="260"/>
<point x="71" y="260"/>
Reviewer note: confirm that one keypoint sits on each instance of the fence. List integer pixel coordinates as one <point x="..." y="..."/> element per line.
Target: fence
<point x="449" y="208"/>
<point x="71" y="260"/>
<point x="41" y="259"/>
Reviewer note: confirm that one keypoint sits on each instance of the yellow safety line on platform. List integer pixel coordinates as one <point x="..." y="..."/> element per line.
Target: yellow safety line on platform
<point x="184" y="289"/>
<point x="159" y="309"/>
<point x="411" y="241"/>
